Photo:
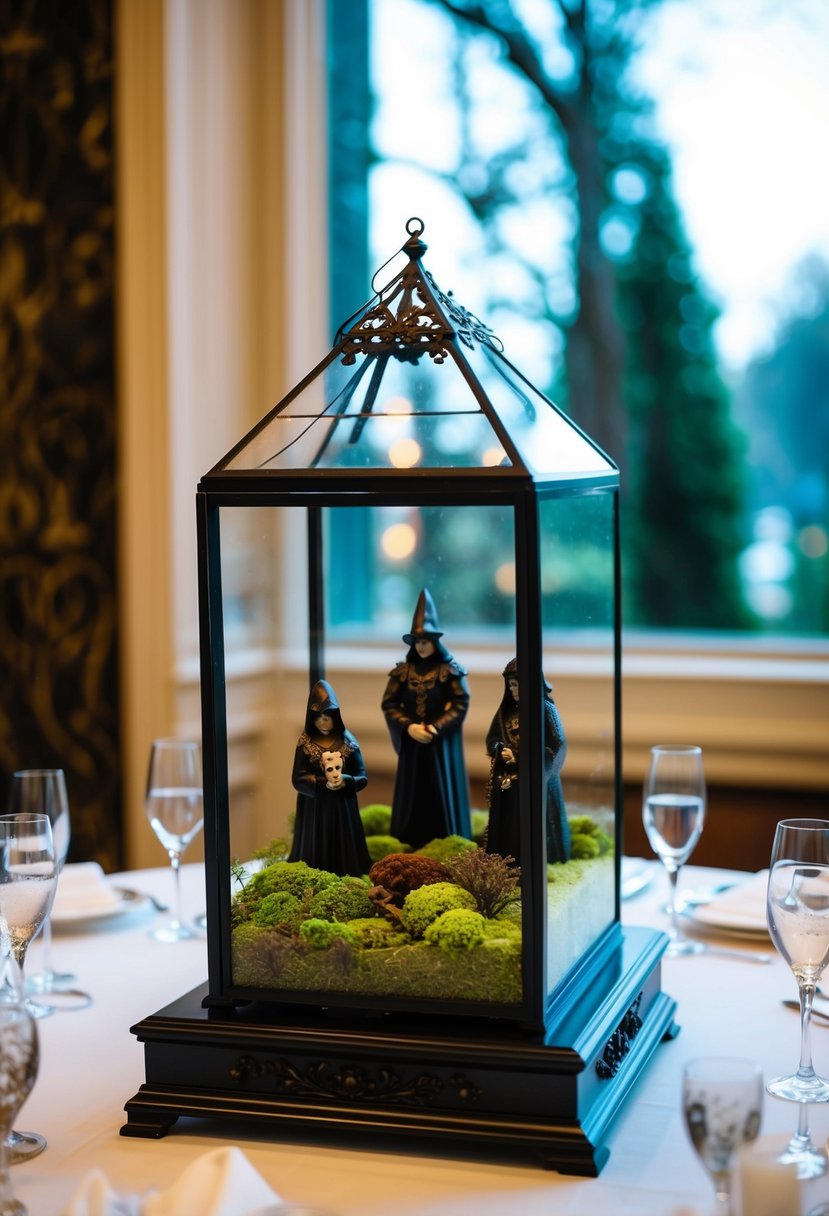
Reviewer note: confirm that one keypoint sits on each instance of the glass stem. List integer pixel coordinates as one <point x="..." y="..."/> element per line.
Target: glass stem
<point x="801" y="1141"/>
<point x="722" y="1185"/>
<point x="175" y="862"/>
<point x="806" y="1070"/>
<point x="673" y="875"/>
<point x="48" y="972"/>
<point x="6" y="1195"/>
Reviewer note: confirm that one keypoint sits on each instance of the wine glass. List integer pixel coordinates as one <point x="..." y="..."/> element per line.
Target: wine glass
<point x="43" y="791"/>
<point x="722" y="1100"/>
<point x="673" y="812"/>
<point x="175" y="810"/>
<point x="801" y="1152"/>
<point x="18" y="1069"/>
<point x="28" y="876"/>
<point x="797" y="910"/>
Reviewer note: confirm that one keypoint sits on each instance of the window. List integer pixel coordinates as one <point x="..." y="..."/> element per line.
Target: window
<point x="654" y="256"/>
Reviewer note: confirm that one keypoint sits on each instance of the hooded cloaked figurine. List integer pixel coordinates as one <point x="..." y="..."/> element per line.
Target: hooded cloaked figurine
<point x="502" y="744"/>
<point x="425" y="703"/>
<point x="327" y="775"/>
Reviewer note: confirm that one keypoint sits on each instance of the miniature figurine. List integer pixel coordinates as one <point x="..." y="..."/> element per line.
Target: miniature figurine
<point x="502" y="744"/>
<point x="328" y="772"/>
<point x="425" y="703"/>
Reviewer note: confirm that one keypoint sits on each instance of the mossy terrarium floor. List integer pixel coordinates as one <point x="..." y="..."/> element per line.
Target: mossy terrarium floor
<point x="309" y="957"/>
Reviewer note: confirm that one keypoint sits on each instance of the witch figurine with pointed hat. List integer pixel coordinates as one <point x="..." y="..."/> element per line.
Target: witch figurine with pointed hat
<point x="425" y="703"/>
<point x="502" y="744"/>
<point x="328" y="772"/>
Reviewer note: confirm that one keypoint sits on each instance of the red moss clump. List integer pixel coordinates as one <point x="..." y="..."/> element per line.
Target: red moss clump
<point x="400" y="873"/>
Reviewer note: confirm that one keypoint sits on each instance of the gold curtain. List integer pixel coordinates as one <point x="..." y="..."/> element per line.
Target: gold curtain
<point x="58" y="638"/>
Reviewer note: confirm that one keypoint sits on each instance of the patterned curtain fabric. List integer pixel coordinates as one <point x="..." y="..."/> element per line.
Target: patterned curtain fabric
<point x="58" y="638"/>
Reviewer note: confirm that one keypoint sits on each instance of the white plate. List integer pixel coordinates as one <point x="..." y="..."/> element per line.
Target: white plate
<point x="739" y="912"/>
<point x="72" y="919"/>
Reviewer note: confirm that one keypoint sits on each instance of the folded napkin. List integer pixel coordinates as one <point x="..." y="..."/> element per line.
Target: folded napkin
<point x="220" y="1183"/>
<point x="83" y="891"/>
<point x="741" y="907"/>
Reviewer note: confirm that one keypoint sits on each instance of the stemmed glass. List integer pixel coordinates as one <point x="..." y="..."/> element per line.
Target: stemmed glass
<point x="801" y="1152"/>
<point x="43" y="791"/>
<point x="18" y="1068"/>
<point x="174" y="808"/>
<point x="722" y="1100"/>
<point x="673" y="812"/>
<point x="28" y="876"/>
<point x="797" y="910"/>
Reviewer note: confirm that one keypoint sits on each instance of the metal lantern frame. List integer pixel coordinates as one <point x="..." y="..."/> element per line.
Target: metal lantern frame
<point x="584" y="1039"/>
<point x="427" y="325"/>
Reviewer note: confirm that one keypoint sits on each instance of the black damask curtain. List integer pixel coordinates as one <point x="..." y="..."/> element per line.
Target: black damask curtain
<point x="58" y="637"/>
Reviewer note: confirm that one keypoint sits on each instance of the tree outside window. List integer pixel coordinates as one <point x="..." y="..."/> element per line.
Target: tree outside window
<point x="531" y="133"/>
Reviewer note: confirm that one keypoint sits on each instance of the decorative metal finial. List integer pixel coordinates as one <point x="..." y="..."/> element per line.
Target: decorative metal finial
<point x="414" y="247"/>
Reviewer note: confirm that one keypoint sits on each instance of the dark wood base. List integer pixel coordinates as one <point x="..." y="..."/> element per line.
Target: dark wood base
<point x="464" y="1082"/>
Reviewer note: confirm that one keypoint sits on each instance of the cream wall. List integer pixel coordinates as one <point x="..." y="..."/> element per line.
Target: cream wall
<point x="216" y="99"/>
<point x="222" y="299"/>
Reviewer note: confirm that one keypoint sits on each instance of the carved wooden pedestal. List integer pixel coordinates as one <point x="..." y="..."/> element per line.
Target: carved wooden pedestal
<point x="467" y="1083"/>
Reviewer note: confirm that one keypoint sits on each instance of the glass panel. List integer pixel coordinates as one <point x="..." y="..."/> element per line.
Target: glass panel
<point x="578" y="608"/>
<point x="377" y="413"/>
<point x="548" y="443"/>
<point x="305" y="917"/>
<point x="378" y="559"/>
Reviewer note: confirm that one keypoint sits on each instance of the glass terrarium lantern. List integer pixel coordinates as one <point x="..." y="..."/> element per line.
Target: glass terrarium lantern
<point x="417" y="427"/>
<point x="445" y="537"/>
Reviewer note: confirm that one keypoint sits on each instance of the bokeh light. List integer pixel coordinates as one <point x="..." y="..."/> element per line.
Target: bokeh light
<point x="398" y="542"/>
<point x="405" y="453"/>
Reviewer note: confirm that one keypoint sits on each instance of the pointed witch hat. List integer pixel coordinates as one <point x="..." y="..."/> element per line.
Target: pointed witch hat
<point x="424" y="621"/>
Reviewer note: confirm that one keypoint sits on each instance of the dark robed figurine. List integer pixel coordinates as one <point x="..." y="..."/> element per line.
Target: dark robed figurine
<point x="502" y="744"/>
<point x="425" y="703"/>
<point x="328" y="772"/>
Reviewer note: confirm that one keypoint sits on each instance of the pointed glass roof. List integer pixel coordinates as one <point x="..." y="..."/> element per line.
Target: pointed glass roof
<point x="415" y="382"/>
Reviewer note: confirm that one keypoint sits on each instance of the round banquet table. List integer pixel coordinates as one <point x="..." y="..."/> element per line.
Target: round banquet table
<point x="91" y="1065"/>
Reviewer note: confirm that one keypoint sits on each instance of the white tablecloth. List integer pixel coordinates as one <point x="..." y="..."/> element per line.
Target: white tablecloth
<point x="91" y="1065"/>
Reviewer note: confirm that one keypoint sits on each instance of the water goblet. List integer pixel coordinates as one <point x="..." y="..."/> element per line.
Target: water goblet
<point x="43" y="791"/>
<point x="722" y="1100"/>
<point x="28" y="876"/>
<point x="673" y="814"/>
<point x="797" y="910"/>
<point x="18" y="1069"/>
<point x="174" y="808"/>
<point x="809" y="1162"/>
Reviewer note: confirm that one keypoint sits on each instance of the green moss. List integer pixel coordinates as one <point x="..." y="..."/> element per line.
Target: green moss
<point x="479" y="822"/>
<point x="293" y="876"/>
<point x="375" y="933"/>
<point x="376" y="819"/>
<point x="587" y="839"/>
<point x="342" y="901"/>
<point x="582" y="847"/>
<point x="279" y="909"/>
<point x="502" y="929"/>
<point x="264" y="958"/>
<point x="444" y="847"/>
<point x="374" y="959"/>
<point x="426" y="904"/>
<point x="457" y="929"/>
<point x="275" y="850"/>
<point x="381" y="846"/>
<point x="322" y="934"/>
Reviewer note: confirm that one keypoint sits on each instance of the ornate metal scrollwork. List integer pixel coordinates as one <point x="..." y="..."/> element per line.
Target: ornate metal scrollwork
<point x="468" y="327"/>
<point x="618" y="1045"/>
<point x="326" y="1080"/>
<point x="416" y="328"/>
